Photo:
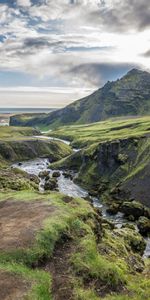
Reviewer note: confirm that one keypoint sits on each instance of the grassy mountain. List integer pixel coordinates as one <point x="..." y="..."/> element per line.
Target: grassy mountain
<point x="128" y="96"/>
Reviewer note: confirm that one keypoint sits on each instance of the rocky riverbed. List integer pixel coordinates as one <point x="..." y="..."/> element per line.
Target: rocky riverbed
<point x="65" y="185"/>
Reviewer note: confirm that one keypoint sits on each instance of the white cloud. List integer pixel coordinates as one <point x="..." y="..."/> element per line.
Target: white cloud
<point x="25" y="3"/>
<point x="55" y="38"/>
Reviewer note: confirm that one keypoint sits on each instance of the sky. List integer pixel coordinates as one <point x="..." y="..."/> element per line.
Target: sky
<point x="53" y="52"/>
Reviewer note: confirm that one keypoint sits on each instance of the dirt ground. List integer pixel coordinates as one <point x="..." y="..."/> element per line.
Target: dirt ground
<point x="19" y="222"/>
<point x="12" y="287"/>
<point x="60" y="269"/>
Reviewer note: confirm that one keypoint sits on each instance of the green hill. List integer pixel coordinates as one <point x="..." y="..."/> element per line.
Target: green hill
<point x="129" y="96"/>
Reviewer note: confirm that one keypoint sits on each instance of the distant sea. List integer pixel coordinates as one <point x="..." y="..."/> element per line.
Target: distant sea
<point x="22" y="110"/>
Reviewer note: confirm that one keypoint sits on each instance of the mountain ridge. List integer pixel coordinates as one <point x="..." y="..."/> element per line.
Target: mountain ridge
<point x="128" y="96"/>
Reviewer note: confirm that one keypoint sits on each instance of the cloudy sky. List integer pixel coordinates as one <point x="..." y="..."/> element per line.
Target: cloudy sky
<point x="55" y="51"/>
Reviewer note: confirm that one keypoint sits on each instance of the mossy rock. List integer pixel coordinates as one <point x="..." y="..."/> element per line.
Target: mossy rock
<point x="144" y="225"/>
<point x="51" y="184"/>
<point x="56" y="174"/>
<point x="133" y="208"/>
<point x="44" y="174"/>
<point x="113" y="209"/>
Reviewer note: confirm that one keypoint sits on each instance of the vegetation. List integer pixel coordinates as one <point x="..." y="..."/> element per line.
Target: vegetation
<point x="8" y="132"/>
<point x="100" y="260"/>
<point x="112" y="129"/>
<point x="20" y="144"/>
<point x="31" y="284"/>
<point x="57" y="247"/>
<point x="116" y="163"/>
<point x="128" y="96"/>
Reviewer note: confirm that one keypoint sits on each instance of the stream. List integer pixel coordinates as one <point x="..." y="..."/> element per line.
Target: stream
<point x="68" y="187"/>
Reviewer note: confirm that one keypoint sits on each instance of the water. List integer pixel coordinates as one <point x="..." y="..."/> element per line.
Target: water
<point x="24" y="110"/>
<point x="147" y="250"/>
<point x="68" y="187"/>
<point x="53" y="139"/>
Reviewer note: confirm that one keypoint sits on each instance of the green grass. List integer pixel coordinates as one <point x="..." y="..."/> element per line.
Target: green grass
<point x="58" y="223"/>
<point x="10" y="132"/>
<point x="112" y="129"/>
<point x="108" y="262"/>
<point x="108" y="265"/>
<point x="40" y="281"/>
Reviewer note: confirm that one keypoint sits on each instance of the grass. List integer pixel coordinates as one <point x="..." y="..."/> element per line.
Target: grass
<point x="107" y="263"/>
<point x="10" y="132"/>
<point x="58" y="223"/>
<point x="112" y="129"/>
<point x="40" y="281"/>
<point x="105" y="266"/>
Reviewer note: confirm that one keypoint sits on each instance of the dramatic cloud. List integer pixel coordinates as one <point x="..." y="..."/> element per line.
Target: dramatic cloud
<point x="98" y="74"/>
<point x="147" y="53"/>
<point x="72" y="43"/>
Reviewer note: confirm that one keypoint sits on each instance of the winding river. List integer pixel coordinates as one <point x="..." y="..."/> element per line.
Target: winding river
<point x="68" y="187"/>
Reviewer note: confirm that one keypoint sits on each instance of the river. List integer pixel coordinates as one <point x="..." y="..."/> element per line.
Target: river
<point x="68" y="187"/>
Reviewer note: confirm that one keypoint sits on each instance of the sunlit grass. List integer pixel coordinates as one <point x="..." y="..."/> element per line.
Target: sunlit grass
<point x="82" y="135"/>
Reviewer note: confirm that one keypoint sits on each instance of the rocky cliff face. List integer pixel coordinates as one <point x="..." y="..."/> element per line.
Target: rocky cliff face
<point x="120" y="168"/>
<point x="16" y="150"/>
<point x="128" y="96"/>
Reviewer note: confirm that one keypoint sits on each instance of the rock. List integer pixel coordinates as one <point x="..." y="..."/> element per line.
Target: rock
<point x="134" y="240"/>
<point x="44" y="173"/>
<point x="122" y="158"/>
<point x="144" y="225"/>
<point x="131" y="218"/>
<point x="47" y="178"/>
<point x="130" y="226"/>
<point x="56" y="174"/>
<point x="34" y="178"/>
<point x="67" y="199"/>
<point x="19" y="164"/>
<point x="147" y="212"/>
<point x="93" y="193"/>
<point x="67" y="175"/>
<point x="107" y="224"/>
<point x="103" y="187"/>
<point x="134" y="209"/>
<point x="51" y="185"/>
<point x="98" y="210"/>
<point x="113" y="209"/>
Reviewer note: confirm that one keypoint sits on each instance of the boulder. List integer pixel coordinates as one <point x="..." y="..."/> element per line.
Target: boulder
<point x="144" y="226"/>
<point x="47" y="178"/>
<point x="133" y="208"/>
<point x="44" y="173"/>
<point x="147" y="212"/>
<point x="67" y="175"/>
<point x="51" y="185"/>
<point x="134" y="240"/>
<point x="56" y="174"/>
<point x="93" y="193"/>
<point x="113" y="209"/>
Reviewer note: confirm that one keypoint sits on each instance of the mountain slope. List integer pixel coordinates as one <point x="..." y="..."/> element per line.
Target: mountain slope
<point x="128" y="96"/>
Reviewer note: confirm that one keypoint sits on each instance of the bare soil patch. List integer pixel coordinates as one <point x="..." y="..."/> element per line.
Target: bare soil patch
<point x="19" y="222"/>
<point x="12" y="287"/>
<point x="60" y="269"/>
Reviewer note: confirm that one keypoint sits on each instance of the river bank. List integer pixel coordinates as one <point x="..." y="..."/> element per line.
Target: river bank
<point x="67" y="187"/>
